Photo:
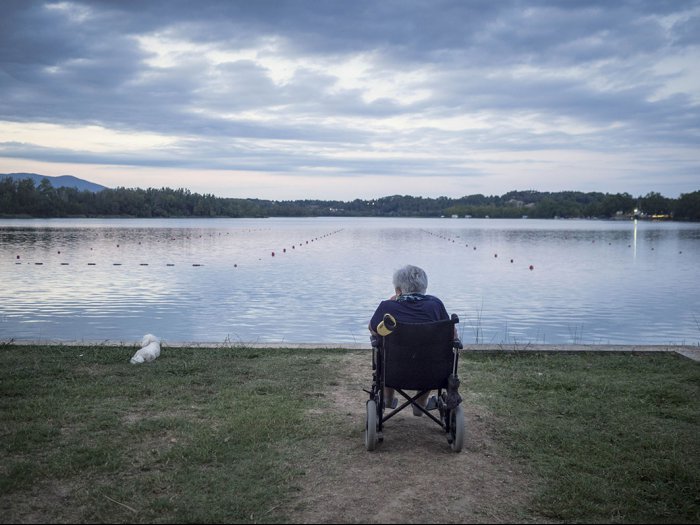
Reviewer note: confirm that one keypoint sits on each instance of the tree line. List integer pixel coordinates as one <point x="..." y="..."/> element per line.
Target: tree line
<point x="22" y="198"/>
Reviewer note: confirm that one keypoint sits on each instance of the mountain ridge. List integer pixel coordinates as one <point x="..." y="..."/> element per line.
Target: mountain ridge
<point x="61" y="181"/>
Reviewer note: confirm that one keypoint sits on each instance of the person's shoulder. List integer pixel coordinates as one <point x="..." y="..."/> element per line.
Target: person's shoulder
<point x="385" y="306"/>
<point x="388" y="304"/>
<point x="437" y="303"/>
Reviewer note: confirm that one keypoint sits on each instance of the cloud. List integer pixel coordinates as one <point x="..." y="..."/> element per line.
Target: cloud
<point x="349" y="89"/>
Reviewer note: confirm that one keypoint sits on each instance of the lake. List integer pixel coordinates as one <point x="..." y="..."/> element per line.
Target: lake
<point x="217" y="280"/>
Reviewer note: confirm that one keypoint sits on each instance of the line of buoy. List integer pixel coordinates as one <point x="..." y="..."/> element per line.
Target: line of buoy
<point x="306" y="242"/>
<point x="466" y="245"/>
<point x="113" y="264"/>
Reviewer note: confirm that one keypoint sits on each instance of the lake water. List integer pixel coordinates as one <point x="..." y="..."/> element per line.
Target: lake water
<point x="216" y="280"/>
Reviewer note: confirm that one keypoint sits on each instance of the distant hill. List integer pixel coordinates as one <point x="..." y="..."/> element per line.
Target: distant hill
<point x="64" y="181"/>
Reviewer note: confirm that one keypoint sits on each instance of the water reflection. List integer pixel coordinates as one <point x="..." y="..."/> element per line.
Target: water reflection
<point x="215" y="281"/>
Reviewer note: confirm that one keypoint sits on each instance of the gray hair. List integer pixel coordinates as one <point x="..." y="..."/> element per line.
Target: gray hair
<point x="411" y="279"/>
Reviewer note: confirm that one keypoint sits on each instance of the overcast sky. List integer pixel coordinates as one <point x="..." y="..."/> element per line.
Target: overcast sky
<point x="354" y="99"/>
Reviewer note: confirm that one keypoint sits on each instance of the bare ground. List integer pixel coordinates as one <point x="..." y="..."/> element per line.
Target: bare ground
<point x="413" y="476"/>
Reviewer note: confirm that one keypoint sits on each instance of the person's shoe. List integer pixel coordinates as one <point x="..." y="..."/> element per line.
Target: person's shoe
<point x="392" y="404"/>
<point x="416" y="411"/>
<point x="432" y="403"/>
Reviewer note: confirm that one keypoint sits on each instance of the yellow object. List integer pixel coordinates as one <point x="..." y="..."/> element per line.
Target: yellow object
<point x="387" y="325"/>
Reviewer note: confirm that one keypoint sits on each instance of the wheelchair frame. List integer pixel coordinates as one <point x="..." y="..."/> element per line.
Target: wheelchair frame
<point x="451" y="419"/>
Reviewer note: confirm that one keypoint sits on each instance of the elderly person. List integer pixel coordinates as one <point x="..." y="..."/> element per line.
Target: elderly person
<point x="410" y="304"/>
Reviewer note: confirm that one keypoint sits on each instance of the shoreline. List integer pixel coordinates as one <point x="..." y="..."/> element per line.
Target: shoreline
<point x="690" y="351"/>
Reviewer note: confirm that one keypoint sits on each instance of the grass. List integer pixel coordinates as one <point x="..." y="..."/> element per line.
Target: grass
<point x="614" y="437"/>
<point x="223" y="435"/>
<point x="206" y="435"/>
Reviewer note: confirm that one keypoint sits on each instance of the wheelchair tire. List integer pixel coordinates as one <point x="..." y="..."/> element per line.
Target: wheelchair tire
<point x="371" y="426"/>
<point x="457" y="428"/>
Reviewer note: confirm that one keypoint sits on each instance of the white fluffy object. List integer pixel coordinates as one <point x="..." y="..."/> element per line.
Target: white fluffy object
<point x="149" y="351"/>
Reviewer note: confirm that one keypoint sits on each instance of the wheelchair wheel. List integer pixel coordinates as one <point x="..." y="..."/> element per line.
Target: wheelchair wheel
<point x="371" y="426"/>
<point x="457" y="428"/>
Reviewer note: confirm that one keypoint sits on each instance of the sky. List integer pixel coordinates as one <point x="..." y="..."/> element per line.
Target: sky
<point x="331" y="99"/>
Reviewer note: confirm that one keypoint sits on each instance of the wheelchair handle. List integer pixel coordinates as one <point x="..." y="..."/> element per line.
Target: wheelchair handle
<point x="387" y="325"/>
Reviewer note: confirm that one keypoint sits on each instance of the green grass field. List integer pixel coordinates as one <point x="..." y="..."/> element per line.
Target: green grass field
<point x="616" y="438"/>
<point x="222" y="435"/>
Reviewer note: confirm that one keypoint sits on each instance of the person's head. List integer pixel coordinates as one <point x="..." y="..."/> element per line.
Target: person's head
<point x="410" y="279"/>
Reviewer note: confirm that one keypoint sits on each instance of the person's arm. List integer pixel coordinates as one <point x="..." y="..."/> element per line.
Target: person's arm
<point x="377" y="317"/>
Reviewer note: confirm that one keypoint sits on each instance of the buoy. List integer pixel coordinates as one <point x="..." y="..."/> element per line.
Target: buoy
<point x="144" y="264"/>
<point x="495" y="255"/>
<point x="116" y="264"/>
<point x="235" y="266"/>
<point x="38" y="264"/>
<point x="532" y="267"/>
<point x="273" y="254"/>
<point x="284" y="250"/>
<point x="64" y="264"/>
<point x="511" y="260"/>
<point x="475" y="247"/>
<point x="59" y="251"/>
<point x="92" y="264"/>
<point x="18" y="256"/>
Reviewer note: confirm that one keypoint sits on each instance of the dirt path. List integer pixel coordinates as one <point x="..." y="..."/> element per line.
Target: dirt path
<point x="413" y="476"/>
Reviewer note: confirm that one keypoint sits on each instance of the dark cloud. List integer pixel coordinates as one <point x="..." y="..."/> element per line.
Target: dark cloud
<point x="320" y="82"/>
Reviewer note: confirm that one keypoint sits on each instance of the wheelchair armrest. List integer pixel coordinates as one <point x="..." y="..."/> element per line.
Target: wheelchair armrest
<point x="374" y="339"/>
<point x="457" y="344"/>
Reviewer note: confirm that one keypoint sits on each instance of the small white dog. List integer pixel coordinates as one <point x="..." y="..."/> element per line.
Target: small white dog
<point x="150" y="350"/>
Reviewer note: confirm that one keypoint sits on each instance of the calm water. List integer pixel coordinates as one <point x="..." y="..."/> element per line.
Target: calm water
<point x="217" y="281"/>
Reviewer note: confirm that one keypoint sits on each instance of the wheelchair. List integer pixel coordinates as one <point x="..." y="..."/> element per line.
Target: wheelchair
<point x="421" y="357"/>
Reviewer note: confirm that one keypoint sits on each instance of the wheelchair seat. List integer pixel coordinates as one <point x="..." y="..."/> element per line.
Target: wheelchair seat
<point x="421" y="357"/>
